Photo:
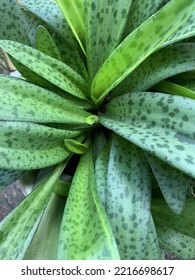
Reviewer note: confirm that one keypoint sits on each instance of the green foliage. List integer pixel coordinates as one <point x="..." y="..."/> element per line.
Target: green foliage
<point x="104" y="112"/>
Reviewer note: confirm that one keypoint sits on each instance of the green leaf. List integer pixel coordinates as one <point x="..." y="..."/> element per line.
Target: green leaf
<point x="99" y="142"/>
<point x="186" y="30"/>
<point x="75" y="146"/>
<point x="172" y="182"/>
<point x="161" y="124"/>
<point x="62" y="186"/>
<point x="44" y="244"/>
<point x="105" y="21"/>
<point x="140" y="11"/>
<point x="18" y="228"/>
<point x="22" y="101"/>
<point x="175" y="232"/>
<point x="74" y="14"/>
<point x="138" y="46"/>
<point x="168" y="87"/>
<point x="25" y="146"/>
<point x="85" y="230"/>
<point x="9" y="176"/>
<point x="153" y="250"/>
<point x="45" y="43"/>
<point x="128" y="194"/>
<point x="12" y="22"/>
<point x="49" y="12"/>
<point x="54" y="71"/>
<point x="157" y="67"/>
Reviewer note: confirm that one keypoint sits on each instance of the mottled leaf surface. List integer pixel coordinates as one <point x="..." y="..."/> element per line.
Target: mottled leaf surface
<point x="85" y="229"/>
<point x="128" y="198"/>
<point x="9" y="176"/>
<point x="161" y="124"/>
<point x="44" y="244"/>
<point x="54" y="71"/>
<point x="140" y="11"/>
<point x="23" y="101"/>
<point x="25" y="146"/>
<point x="176" y="232"/>
<point x="105" y="21"/>
<point x="172" y="182"/>
<point x="157" y="67"/>
<point x="186" y="30"/>
<point x="138" y="46"/>
<point x="12" y="22"/>
<point x="18" y="228"/>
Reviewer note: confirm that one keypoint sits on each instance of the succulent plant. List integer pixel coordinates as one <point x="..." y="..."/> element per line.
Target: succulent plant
<point x="104" y="113"/>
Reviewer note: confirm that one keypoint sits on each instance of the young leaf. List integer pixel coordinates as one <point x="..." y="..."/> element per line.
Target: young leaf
<point x="45" y="43"/>
<point x="168" y="87"/>
<point x="74" y="14"/>
<point x="161" y="124"/>
<point x="175" y="232"/>
<point x="26" y="146"/>
<point x="172" y="182"/>
<point x="44" y="243"/>
<point x="138" y="46"/>
<point x="54" y="71"/>
<point x="12" y="22"/>
<point x="157" y="67"/>
<point x="105" y="21"/>
<point x="128" y="193"/>
<point x="85" y="230"/>
<point x="22" y="101"/>
<point x="18" y="228"/>
<point x="75" y="146"/>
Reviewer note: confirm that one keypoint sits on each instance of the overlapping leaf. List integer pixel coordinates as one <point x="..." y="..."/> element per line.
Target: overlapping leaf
<point x="9" y="176"/>
<point x="85" y="230"/>
<point x="169" y="87"/>
<point x="175" y="232"/>
<point x="161" y="124"/>
<point x="159" y="66"/>
<point x="22" y="101"/>
<point x="12" y="22"/>
<point x="138" y="46"/>
<point x="44" y="244"/>
<point x="25" y="146"/>
<point x="18" y="228"/>
<point x="172" y="182"/>
<point x="54" y="71"/>
<point x="105" y="21"/>
<point x="75" y="10"/>
<point x="128" y="198"/>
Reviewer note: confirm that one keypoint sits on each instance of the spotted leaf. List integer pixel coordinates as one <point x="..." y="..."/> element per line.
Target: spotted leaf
<point x="157" y="67"/>
<point x="54" y="71"/>
<point x="175" y="232"/>
<point x="9" y="176"/>
<point x="22" y="101"/>
<point x="85" y="229"/>
<point x="161" y="124"/>
<point x="25" y="146"/>
<point x="12" y="22"/>
<point x="18" y="228"/>
<point x="105" y="21"/>
<point x="172" y="182"/>
<point x="138" y="46"/>
<point x="128" y="198"/>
